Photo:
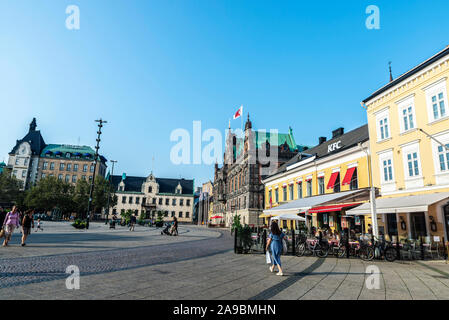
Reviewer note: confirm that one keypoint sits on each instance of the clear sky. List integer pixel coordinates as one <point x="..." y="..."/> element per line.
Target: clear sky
<point x="149" y="67"/>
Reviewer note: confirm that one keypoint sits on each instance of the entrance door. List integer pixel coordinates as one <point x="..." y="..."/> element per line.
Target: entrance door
<point x="418" y="225"/>
<point x="392" y="225"/>
<point x="446" y="220"/>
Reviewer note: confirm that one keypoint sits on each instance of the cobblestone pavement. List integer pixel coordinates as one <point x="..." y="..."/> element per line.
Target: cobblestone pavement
<point x="199" y="264"/>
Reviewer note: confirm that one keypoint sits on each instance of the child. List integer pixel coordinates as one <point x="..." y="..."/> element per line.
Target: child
<point x="39" y="227"/>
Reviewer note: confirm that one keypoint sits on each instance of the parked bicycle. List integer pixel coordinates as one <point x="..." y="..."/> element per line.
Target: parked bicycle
<point x="313" y="247"/>
<point x="361" y="249"/>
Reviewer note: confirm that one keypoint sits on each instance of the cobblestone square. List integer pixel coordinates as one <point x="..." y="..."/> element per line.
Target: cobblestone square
<point x="198" y="264"/>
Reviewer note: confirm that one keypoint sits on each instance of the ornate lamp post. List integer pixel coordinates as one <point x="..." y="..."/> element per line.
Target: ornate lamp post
<point x="97" y="147"/>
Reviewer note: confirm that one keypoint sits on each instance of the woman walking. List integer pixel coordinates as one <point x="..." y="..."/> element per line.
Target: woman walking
<point x="11" y="222"/>
<point x="27" y="224"/>
<point x="275" y="243"/>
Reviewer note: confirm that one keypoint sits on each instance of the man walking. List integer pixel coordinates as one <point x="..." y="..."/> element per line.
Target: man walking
<point x="27" y="224"/>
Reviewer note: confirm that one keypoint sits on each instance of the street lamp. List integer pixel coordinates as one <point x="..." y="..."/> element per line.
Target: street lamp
<point x="97" y="147"/>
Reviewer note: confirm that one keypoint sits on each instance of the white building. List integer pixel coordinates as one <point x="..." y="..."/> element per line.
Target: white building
<point x="150" y="195"/>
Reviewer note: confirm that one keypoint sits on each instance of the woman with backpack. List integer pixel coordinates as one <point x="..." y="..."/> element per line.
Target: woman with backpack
<point x="11" y="222"/>
<point x="275" y="244"/>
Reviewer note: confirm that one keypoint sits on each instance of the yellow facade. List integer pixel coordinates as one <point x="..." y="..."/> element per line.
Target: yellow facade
<point x="405" y="160"/>
<point x="363" y="182"/>
<point x="321" y="167"/>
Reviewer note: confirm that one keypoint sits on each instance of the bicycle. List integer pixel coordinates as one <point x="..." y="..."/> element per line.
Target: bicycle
<point x="312" y="247"/>
<point x="386" y="249"/>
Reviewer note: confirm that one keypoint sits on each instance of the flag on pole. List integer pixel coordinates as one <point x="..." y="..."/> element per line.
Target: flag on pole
<point x="239" y="112"/>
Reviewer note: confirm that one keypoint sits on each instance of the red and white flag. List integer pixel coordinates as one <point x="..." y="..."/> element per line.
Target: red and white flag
<point x="238" y="113"/>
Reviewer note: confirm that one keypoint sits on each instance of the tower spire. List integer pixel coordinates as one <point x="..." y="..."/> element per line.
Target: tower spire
<point x="391" y="74"/>
<point x="33" y="125"/>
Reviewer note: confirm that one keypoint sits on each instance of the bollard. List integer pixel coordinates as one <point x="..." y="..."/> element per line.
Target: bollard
<point x="398" y="250"/>
<point x="235" y="241"/>
<point x="264" y="241"/>
<point x="422" y="249"/>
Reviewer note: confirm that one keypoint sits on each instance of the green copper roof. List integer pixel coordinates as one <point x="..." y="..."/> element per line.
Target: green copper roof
<point x="275" y="139"/>
<point x="63" y="148"/>
<point x="81" y="152"/>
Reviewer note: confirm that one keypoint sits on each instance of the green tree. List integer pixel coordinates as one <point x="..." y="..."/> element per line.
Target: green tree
<point x="10" y="189"/>
<point x="126" y="216"/>
<point x="236" y="224"/>
<point x="81" y="196"/>
<point x="99" y="197"/>
<point x="51" y="193"/>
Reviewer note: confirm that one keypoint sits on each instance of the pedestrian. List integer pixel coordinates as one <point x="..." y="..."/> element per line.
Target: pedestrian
<point x="10" y="223"/>
<point x="175" y="226"/>
<point x="39" y="225"/>
<point x="132" y="222"/>
<point x="27" y="224"/>
<point x="275" y="243"/>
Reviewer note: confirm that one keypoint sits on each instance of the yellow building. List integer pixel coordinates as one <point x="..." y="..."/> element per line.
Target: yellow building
<point x="323" y="182"/>
<point x="408" y="123"/>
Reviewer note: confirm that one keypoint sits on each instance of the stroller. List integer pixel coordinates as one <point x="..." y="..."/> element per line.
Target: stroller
<point x="167" y="230"/>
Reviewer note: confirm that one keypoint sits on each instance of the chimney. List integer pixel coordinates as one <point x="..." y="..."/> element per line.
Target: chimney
<point x="338" y="132"/>
<point x="322" y="140"/>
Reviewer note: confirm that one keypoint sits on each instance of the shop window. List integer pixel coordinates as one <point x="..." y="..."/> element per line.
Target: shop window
<point x="321" y="185"/>
<point x="354" y="181"/>
<point x="299" y="186"/>
<point x="309" y="188"/>
<point x="443" y="156"/>
<point x="412" y="164"/>
<point x="387" y="170"/>
<point x="337" y="184"/>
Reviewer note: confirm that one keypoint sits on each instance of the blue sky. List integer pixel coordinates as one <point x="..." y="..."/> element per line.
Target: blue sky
<point x="149" y="67"/>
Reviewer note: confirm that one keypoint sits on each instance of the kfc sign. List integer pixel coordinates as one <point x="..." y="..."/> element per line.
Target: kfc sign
<point x="334" y="146"/>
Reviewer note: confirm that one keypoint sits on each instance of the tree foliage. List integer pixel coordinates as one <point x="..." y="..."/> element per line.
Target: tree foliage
<point x="51" y="193"/>
<point x="10" y="189"/>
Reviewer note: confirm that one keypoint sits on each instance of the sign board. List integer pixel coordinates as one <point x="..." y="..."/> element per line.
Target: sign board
<point x="334" y="146"/>
<point x="331" y="221"/>
<point x="357" y="220"/>
<point x="436" y="238"/>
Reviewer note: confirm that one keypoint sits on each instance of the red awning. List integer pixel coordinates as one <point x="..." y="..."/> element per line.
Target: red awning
<point x="336" y="207"/>
<point x="348" y="176"/>
<point x="332" y="180"/>
<point x="216" y="217"/>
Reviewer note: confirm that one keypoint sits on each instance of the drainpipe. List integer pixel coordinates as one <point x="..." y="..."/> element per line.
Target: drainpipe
<point x="372" y="189"/>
